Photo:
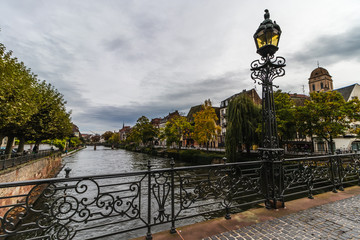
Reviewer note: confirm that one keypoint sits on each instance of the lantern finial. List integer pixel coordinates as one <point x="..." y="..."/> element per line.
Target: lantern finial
<point x="267" y="14"/>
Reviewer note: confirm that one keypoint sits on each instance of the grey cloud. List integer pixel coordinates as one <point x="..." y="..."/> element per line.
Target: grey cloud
<point x="331" y="48"/>
<point x="212" y="87"/>
<point x="181" y="97"/>
<point x="104" y="118"/>
<point x="117" y="44"/>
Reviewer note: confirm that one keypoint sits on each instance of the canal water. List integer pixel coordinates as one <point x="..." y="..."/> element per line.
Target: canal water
<point x="104" y="160"/>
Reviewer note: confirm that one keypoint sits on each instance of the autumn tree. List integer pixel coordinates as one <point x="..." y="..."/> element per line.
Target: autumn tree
<point x="205" y="128"/>
<point x="243" y="118"/>
<point x="175" y="129"/>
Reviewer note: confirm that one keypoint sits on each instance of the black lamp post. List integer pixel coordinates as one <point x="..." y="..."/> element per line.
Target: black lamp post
<point x="264" y="71"/>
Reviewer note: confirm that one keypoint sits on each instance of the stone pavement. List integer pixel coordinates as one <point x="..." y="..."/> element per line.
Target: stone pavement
<point x="337" y="220"/>
<point x="328" y="216"/>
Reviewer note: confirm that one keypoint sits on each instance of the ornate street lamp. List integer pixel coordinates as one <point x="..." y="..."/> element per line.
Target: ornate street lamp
<point x="264" y="71"/>
<point x="267" y="36"/>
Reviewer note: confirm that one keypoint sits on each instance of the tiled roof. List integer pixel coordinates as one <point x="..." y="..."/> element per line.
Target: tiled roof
<point x="346" y="91"/>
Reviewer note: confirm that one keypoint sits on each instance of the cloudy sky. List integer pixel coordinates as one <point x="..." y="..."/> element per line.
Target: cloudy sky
<point x="115" y="61"/>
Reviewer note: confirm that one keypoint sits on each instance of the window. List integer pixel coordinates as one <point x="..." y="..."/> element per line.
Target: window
<point x="322" y="85"/>
<point x="313" y="87"/>
<point x="321" y="146"/>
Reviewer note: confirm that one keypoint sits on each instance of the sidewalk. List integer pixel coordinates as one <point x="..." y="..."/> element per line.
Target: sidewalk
<point x="329" y="216"/>
<point x="337" y="220"/>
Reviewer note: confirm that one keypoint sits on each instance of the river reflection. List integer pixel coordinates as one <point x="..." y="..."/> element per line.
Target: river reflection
<point x="108" y="161"/>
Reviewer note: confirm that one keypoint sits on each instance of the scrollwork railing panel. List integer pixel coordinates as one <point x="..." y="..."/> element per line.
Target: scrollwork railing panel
<point x="59" y="210"/>
<point x="93" y="206"/>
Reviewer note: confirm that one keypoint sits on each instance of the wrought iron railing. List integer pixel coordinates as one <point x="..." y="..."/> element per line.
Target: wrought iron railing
<point x="328" y="172"/>
<point x="12" y="160"/>
<point x="133" y="204"/>
<point x="93" y="206"/>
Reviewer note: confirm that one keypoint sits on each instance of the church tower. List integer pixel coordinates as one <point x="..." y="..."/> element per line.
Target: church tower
<point x="320" y="80"/>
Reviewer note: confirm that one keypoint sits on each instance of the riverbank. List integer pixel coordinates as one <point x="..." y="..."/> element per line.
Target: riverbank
<point x="194" y="156"/>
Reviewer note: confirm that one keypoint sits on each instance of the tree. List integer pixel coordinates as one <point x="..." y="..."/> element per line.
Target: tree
<point x="143" y="131"/>
<point x="243" y="118"/>
<point x="74" y="142"/>
<point x="106" y="135"/>
<point x="205" y="128"/>
<point x="330" y="115"/>
<point x="95" y="138"/>
<point x="285" y="116"/>
<point x="175" y="129"/>
<point x="51" y="120"/>
<point x="17" y="95"/>
<point x="114" y="139"/>
<point x="30" y="110"/>
<point x="305" y="122"/>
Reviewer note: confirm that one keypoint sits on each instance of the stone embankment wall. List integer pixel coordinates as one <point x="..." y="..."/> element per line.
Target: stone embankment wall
<point x="47" y="167"/>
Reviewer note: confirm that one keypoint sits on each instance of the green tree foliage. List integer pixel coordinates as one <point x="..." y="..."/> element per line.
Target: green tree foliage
<point x="114" y="139"/>
<point x="175" y="129"/>
<point x="59" y="143"/>
<point x="305" y="122"/>
<point x="74" y="142"/>
<point x="205" y="128"/>
<point x="51" y="120"/>
<point x="30" y="110"/>
<point x="329" y="115"/>
<point x="17" y="95"/>
<point x="106" y="135"/>
<point x="285" y="116"/>
<point x="243" y="118"/>
<point x="143" y="132"/>
<point x="95" y="138"/>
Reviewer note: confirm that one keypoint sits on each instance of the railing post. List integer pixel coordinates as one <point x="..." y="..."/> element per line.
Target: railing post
<point x="227" y="209"/>
<point x="67" y="172"/>
<point x="340" y="172"/>
<point x="332" y="174"/>
<point x="272" y="176"/>
<point x="173" y="229"/>
<point x="148" y="234"/>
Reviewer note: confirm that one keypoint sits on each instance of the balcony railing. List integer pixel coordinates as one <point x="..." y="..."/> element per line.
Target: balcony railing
<point x="127" y="205"/>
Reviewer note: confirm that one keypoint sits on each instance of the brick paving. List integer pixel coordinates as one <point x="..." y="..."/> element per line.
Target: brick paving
<point x="337" y="220"/>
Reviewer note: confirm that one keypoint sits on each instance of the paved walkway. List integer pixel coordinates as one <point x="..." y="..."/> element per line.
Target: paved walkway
<point x="337" y="220"/>
<point x="328" y="216"/>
